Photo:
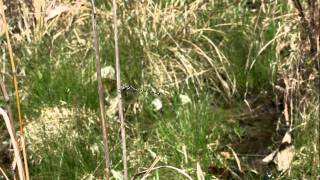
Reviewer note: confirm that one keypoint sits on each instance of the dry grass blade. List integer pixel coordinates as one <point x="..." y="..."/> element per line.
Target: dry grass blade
<point x="180" y="171"/>
<point x="149" y="169"/>
<point x="4" y="174"/>
<point x="38" y="6"/>
<point x="265" y="46"/>
<point x="8" y="102"/>
<point x="15" y="144"/>
<point x="228" y="86"/>
<point x="101" y="94"/>
<point x="237" y="158"/>
<point x="200" y="174"/>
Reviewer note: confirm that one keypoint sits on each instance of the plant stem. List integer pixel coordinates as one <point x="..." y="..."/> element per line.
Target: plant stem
<point x="123" y="130"/>
<point x="101" y="93"/>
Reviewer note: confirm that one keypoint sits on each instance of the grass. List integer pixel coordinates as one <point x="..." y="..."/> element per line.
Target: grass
<point x="59" y="144"/>
<point x="213" y="56"/>
<point x="181" y="137"/>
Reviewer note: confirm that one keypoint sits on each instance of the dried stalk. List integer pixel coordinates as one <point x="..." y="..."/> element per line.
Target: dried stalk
<point x="101" y="93"/>
<point x="15" y="144"/>
<point x="8" y="103"/>
<point x="4" y="174"/>
<point x="122" y="127"/>
<point x="309" y="25"/>
<point x="150" y="168"/>
<point x="15" y="82"/>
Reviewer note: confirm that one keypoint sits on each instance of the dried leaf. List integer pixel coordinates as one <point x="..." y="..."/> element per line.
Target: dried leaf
<point x="284" y="158"/>
<point x="287" y="138"/>
<point x="56" y="11"/>
<point x="270" y="157"/>
<point x="286" y="152"/>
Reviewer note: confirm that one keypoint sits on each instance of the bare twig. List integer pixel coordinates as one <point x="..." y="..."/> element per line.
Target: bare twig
<point x="101" y="93"/>
<point x="123" y="131"/>
<point x="15" y="82"/>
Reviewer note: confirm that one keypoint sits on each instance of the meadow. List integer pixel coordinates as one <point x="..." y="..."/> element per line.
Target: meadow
<point x="210" y="88"/>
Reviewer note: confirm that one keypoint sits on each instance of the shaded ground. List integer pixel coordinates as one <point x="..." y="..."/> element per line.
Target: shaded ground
<point x="262" y="132"/>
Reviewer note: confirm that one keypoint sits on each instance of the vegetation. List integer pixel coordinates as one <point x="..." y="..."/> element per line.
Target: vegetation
<point x="210" y="88"/>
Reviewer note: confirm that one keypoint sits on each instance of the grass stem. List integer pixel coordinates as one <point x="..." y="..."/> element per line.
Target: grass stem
<point x="101" y="93"/>
<point x="123" y="131"/>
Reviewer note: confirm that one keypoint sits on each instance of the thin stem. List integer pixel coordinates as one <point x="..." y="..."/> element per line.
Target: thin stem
<point x="101" y="93"/>
<point x="14" y="144"/>
<point x="4" y="174"/>
<point x="8" y="103"/>
<point x="122" y="127"/>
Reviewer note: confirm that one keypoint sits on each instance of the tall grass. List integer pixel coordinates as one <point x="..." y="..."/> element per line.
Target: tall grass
<point x="214" y="52"/>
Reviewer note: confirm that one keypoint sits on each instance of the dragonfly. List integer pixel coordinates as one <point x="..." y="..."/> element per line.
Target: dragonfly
<point x="131" y="89"/>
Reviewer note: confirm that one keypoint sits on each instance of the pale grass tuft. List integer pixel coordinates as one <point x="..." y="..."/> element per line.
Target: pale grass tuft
<point x="54" y="123"/>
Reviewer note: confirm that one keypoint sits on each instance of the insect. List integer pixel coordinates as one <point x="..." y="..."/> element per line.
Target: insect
<point x="131" y="89"/>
